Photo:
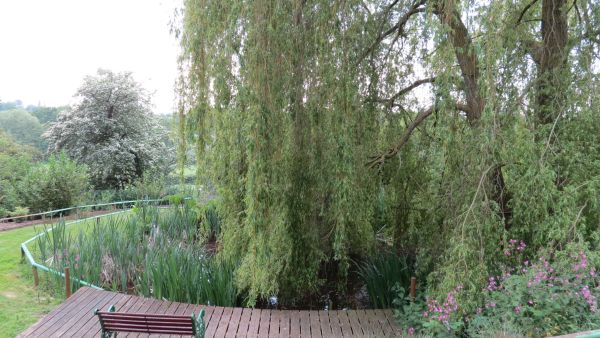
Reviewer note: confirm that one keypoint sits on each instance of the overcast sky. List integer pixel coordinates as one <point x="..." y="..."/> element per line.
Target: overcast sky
<point x="48" y="46"/>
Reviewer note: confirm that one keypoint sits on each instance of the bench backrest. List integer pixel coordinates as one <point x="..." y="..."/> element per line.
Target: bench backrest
<point x="113" y="322"/>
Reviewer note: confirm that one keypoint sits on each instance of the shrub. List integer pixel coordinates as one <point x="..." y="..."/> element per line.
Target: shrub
<point x="381" y="274"/>
<point x="549" y="296"/>
<point x="19" y="211"/>
<point x="554" y="294"/>
<point x="59" y="183"/>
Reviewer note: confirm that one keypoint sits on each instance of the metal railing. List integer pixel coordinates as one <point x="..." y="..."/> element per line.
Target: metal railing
<point x="26" y="254"/>
<point x="63" y="211"/>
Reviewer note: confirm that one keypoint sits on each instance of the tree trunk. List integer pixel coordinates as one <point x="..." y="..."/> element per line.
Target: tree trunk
<point x="552" y="63"/>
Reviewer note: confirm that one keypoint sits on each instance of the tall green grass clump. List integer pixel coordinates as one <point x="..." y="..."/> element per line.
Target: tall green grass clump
<point x="381" y="274"/>
<point x="155" y="252"/>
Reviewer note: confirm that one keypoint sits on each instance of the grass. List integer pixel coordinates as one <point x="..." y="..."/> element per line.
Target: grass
<point x="21" y="304"/>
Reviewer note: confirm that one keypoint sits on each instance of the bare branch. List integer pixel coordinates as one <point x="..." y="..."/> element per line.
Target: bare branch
<point x="390" y="101"/>
<point x="398" y="27"/>
<point x="525" y="11"/>
<point x="379" y="160"/>
<point x="463" y="107"/>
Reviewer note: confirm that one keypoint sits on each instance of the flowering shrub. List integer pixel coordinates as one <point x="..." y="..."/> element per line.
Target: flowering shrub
<point x="544" y="297"/>
<point x="553" y="294"/>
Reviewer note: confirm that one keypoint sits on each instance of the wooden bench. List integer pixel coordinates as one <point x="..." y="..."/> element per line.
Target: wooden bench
<point x="113" y="322"/>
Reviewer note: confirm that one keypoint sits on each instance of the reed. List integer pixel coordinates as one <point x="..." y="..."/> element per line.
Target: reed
<point x="155" y="252"/>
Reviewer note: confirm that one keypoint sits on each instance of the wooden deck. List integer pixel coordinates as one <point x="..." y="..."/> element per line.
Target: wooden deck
<point x="74" y="318"/>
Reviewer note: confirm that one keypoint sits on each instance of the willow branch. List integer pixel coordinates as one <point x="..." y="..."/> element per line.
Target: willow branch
<point x="390" y="101"/>
<point x="398" y="27"/>
<point x="525" y="11"/>
<point x="379" y="160"/>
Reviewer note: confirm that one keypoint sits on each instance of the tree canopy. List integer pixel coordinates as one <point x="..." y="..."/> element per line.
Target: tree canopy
<point x="111" y="130"/>
<point x="23" y="127"/>
<point x="437" y="129"/>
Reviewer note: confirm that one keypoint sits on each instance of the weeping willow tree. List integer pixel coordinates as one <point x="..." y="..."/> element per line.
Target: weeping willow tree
<point x="273" y="104"/>
<point x="439" y="128"/>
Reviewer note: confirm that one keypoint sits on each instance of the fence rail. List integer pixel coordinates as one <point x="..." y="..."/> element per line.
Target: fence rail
<point x="61" y="212"/>
<point x="26" y="254"/>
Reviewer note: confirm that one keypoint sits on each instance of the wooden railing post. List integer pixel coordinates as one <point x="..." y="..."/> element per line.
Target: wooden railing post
<point x="413" y="288"/>
<point x="36" y="278"/>
<point x="67" y="282"/>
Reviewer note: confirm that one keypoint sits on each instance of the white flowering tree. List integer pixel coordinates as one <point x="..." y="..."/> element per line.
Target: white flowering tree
<point x="112" y="130"/>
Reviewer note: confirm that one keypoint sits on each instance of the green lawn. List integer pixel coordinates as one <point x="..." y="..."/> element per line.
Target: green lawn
<point x="21" y="304"/>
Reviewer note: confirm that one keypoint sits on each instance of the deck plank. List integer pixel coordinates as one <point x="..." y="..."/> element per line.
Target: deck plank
<point x="315" y="324"/>
<point x="254" y="323"/>
<point x="325" y="324"/>
<point x="213" y="325"/>
<point x="74" y="314"/>
<point x="376" y="325"/>
<point x="357" y="330"/>
<point x="334" y="323"/>
<point x="344" y="323"/>
<point x="243" y="326"/>
<point x="234" y="322"/>
<point x="294" y="323"/>
<point x="47" y="321"/>
<point x="396" y="329"/>
<point x="365" y="323"/>
<point x="224" y="322"/>
<point x="90" y="326"/>
<point x="274" y="324"/>
<point x="284" y="323"/>
<point x="75" y="318"/>
<point x="305" y="324"/>
<point x="265" y="322"/>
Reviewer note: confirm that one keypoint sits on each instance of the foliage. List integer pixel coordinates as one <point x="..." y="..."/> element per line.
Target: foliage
<point x="14" y="162"/>
<point x="442" y="128"/>
<point x="58" y="183"/>
<point x="19" y="211"/>
<point x="381" y="274"/>
<point x="45" y="114"/>
<point x="290" y="173"/>
<point x="23" y="127"/>
<point x="153" y="252"/>
<point x="555" y="294"/>
<point x="17" y="104"/>
<point x="211" y="222"/>
<point x="111" y="130"/>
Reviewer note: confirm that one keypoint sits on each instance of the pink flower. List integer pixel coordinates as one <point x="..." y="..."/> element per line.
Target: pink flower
<point x="589" y="298"/>
<point x="411" y="331"/>
<point x="518" y="309"/>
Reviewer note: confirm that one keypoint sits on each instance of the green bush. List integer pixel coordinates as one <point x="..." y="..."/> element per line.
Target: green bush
<point x="381" y="274"/>
<point x="59" y="183"/>
<point x="19" y="211"/>
<point x="554" y="294"/>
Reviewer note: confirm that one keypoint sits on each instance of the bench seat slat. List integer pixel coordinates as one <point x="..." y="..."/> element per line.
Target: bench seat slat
<point x="141" y="315"/>
<point x="149" y="326"/>
<point x="144" y="322"/>
<point x="146" y="331"/>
